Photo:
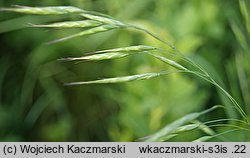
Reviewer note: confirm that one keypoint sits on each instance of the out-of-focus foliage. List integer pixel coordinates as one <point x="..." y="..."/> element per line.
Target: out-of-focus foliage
<point x="35" y="106"/>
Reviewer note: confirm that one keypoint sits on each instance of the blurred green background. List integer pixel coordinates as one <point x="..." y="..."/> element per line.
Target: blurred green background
<point x="35" y="106"/>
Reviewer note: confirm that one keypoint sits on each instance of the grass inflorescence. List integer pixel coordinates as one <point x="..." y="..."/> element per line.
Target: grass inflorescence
<point x="94" y="23"/>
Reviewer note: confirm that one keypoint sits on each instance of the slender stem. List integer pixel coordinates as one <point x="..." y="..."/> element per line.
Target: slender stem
<point x="220" y="120"/>
<point x="204" y="76"/>
<point x="236" y="105"/>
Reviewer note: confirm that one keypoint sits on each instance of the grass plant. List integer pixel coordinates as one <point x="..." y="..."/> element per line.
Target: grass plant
<point x="93" y="23"/>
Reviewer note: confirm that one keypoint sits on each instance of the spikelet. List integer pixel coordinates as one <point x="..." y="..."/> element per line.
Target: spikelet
<point x="97" y="57"/>
<point x="168" y="129"/>
<point x="121" y="79"/>
<point x="169" y="62"/>
<point x="71" y="24"/>
<point x="139" y="48"/>
<point x="94" y="30"/>
<point x="44" y="10"/>
<point x="102" y="19"/>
